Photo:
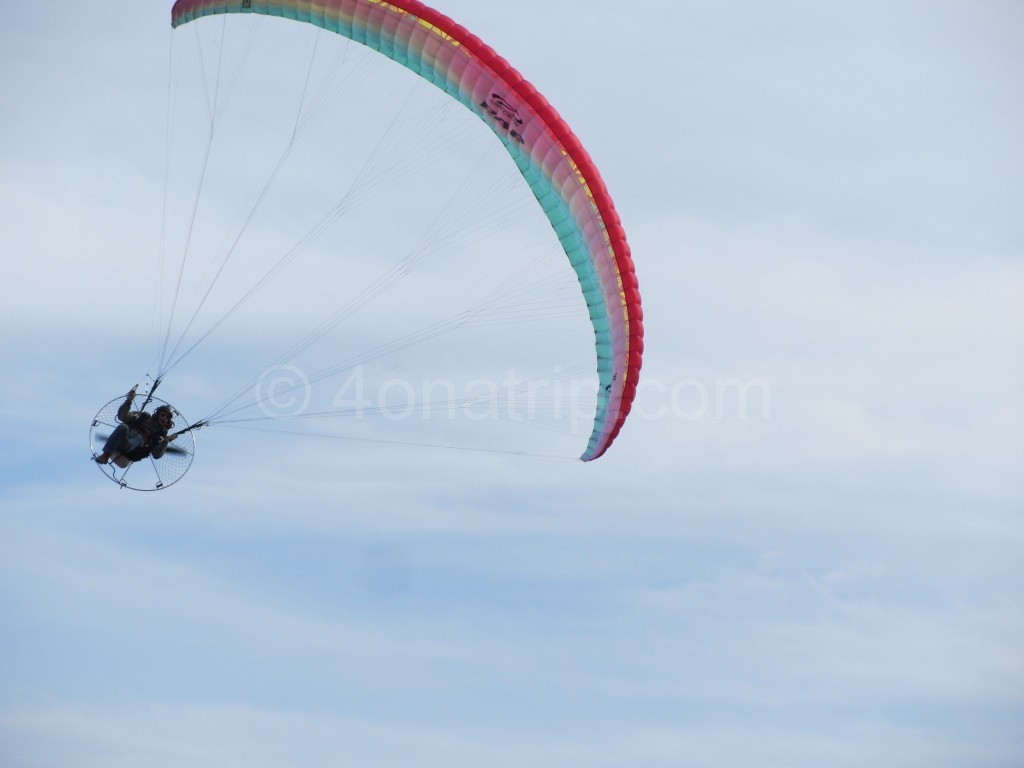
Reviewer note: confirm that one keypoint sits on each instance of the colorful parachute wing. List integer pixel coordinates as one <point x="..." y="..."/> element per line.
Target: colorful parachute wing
<point x="560" y="172"/>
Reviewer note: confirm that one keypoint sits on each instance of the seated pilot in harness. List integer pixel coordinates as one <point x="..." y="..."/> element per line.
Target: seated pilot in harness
<point x="139" y="435"/>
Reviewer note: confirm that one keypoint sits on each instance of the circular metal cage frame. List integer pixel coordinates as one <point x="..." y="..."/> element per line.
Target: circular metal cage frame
<point x="149" y="474"/>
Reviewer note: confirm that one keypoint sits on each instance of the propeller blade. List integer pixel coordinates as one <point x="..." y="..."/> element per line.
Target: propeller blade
<point x="171" y="447"/>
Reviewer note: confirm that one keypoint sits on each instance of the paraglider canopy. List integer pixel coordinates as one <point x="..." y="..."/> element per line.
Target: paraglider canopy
<point x="559" y="171"/>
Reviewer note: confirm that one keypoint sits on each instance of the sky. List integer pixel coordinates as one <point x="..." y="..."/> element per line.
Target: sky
<point x="802" y="550"/>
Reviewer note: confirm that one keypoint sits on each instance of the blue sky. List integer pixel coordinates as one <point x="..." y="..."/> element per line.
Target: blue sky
<point x="823" y="201"/>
